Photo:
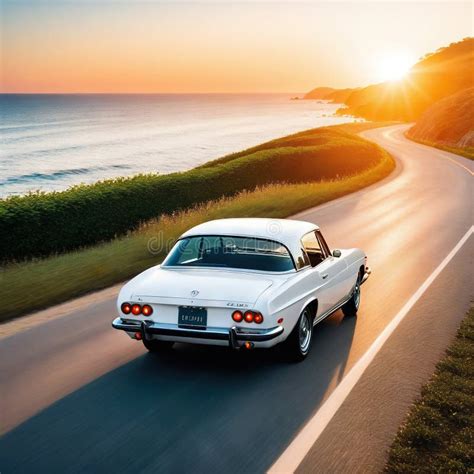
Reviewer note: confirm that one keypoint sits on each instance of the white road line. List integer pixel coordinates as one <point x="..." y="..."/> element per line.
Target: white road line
<point x="457" y="163"/>
<point x="299" y="447"/>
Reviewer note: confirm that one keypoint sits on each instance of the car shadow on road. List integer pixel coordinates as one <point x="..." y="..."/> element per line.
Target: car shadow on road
<point x="196" y="409"/>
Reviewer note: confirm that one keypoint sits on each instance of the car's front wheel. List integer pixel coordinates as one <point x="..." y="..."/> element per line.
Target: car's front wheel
<point x="154" y="345"/>
<point x="299" y="341"/>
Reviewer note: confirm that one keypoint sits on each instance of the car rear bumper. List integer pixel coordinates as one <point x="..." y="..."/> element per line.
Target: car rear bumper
<point x="234" y="337"/>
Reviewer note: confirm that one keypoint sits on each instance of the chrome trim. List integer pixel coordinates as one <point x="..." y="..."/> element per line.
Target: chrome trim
<point x="233" y="338"/>
<point x="184" y="236"/>
<point x="229" y="269"/>
<point x="124" y="325"/>
<point x="233" y="335"/>
<point x="260" y="335"/>
<point x="367" y="273"/>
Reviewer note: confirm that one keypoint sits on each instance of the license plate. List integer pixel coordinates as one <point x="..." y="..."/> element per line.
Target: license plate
<point x="190" y="316"/>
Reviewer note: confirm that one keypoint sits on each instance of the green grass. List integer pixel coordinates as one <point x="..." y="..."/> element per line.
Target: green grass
<point x="438" y="435"/>
<point x="467" y="152"/>
<point x="311" y="137"/>
<point x="40" y="283"/>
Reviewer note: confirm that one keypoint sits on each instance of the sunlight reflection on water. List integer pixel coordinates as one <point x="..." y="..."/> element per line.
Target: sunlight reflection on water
<point x="52" y="142"/>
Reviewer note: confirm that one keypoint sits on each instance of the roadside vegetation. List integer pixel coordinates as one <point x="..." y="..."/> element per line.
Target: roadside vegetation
<point x="38" y="283"/>
<point x="466" y="152"/>
<point x="438" y="435"/>
<point x="42" y="224"/>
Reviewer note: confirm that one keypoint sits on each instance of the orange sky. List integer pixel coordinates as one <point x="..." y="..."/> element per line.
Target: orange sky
<point x="157" y="46"/>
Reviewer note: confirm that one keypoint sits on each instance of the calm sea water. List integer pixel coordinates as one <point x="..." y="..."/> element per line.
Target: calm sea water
<point x="50" y="142"/>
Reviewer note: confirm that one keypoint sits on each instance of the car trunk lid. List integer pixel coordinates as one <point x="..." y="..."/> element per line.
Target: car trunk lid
<point x="194" y="286"/>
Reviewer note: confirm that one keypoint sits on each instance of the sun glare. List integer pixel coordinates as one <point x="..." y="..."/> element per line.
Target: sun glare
<point x="393" y="67"/>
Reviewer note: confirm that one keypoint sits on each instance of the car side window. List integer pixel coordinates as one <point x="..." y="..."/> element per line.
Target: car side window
<point x="323" y="243"/>
<point x="313" y="248"/>
<point x="301" y="259"/>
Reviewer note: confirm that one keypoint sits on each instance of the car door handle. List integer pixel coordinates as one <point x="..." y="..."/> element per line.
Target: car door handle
<point x="324" y="276"/>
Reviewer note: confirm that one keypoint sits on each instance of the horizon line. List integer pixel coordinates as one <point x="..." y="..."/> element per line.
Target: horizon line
<point x="149" y="93"/>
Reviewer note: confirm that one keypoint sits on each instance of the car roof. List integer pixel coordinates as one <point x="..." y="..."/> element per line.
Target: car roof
<point x="286" y="231"/>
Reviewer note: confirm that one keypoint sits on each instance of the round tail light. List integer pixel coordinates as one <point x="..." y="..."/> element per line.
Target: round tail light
<point x="258" y="318"/>
<point x="126" y="308"/>
<point x="237" y="316"/>
<point x="136" y="309"/>
<point x="147" y="310"/>
<point x="248" y="316"/>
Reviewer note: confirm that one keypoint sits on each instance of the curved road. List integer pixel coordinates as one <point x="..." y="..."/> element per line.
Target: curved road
<point x="77" y="396"/>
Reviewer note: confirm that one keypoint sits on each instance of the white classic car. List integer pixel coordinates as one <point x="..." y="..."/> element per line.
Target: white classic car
<point x="242" y="283"/>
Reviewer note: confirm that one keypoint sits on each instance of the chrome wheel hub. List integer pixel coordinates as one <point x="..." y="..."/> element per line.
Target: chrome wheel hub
<point x="305" y="332"/>
<point x="357" y="294"/>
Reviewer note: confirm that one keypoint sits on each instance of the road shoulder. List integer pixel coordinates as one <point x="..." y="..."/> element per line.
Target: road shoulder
<point x="23" y="323"/>
<point x="439" y="430"/>
<point x="359" y="435"/>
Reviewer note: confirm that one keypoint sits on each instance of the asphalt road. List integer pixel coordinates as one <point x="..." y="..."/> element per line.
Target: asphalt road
<point x="77" y="396"/>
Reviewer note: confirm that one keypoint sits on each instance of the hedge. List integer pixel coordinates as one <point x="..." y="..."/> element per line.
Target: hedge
<point x="40" y="224"/>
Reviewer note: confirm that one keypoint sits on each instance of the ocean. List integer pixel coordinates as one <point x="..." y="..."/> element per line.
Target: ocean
<point x="51" y="142"/>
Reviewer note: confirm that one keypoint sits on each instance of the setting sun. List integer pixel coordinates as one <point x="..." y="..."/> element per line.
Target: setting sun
<point x="394" y="66"/>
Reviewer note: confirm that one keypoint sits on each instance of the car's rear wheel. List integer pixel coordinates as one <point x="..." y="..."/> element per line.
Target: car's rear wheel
<point x="298" y="343"/>
<point x="352" y="306"/>
<point x="154" y="345"/>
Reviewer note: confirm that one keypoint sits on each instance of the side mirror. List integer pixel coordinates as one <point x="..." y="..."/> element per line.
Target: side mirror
<point x="336" y="253"/>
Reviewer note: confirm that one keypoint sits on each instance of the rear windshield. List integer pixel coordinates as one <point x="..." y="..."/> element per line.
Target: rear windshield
<point x="230" y="252"/>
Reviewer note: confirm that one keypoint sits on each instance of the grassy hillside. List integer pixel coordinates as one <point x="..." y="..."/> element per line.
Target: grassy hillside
<point x="41" y="224"/>
<point x="337" y="96"/>
<point x="61" y="277"/>
<point x="449" y="124"/>
<point x="319" y="93"/>
<point x="434" y="77"/>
